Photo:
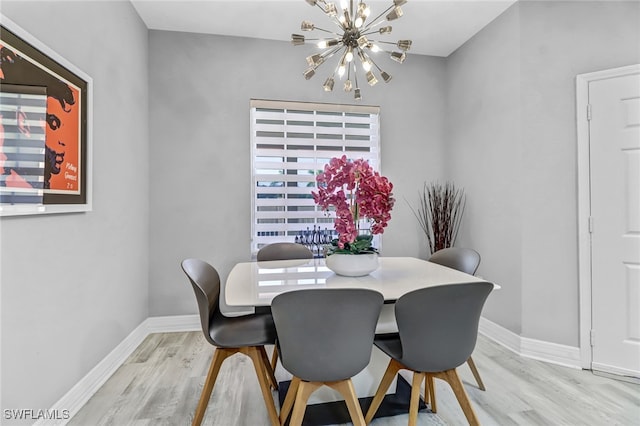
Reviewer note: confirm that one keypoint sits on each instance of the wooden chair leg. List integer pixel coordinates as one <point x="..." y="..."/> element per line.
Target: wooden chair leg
<point x="476" y="374"/>
<point x="451" y="377"/>
<point x="219" y="355"/>
<point x="345" y="387"/>
<point x="392" y="369"/>
<point x="267" y="368"/>
<point x="427" y="397"/>
<point x="415" y="397"/>
<point x="432" y="393"/>
<point x="305" y="389"/>
<point x="258" y="363"/>
<point x="287" y="405"/>
<point x="274" y="357"/>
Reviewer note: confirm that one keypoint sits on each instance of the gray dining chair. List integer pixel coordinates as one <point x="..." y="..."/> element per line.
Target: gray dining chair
<point x="230" y="335"/>
<point x="437" y="331"/>
<point x="325" y="337"/>
<point x="284" y="251"/>
<point x="465" y="260"/>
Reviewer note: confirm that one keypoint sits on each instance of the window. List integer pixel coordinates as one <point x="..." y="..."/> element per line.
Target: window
<point x="290" y="143"/>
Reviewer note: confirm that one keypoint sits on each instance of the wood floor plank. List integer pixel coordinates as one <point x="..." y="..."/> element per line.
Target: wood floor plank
<point x="161" y="382"/>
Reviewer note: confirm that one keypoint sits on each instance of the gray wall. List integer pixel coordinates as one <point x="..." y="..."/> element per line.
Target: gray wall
<point x="483" y="156"/>
<point x="512" y="144"/>
<point x="200" y="87"/>
<point x="75" y="285"/>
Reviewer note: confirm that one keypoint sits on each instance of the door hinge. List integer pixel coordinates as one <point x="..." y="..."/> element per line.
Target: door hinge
<point x="588" y="112"/>
<point x="592" y="337"/>
<point x="590" y="224"/>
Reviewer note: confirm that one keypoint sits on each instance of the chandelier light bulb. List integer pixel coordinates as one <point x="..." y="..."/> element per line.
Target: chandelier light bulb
<point x="371" y="79"/>
<point x="342" y="68"/>
<point x="344" y="4"/>
<point x="357" y="95"/>
<point x="366" y="63"/>
<point x="359" y="21"/>
<point x="349" y="55"/>
<point x="297" y="39"/>
<point x="309" y="72"/>
<point x="385" y="76"/>
<point x="374" y="48"/>
<point x="363" y="10"/>
<point x="328" y="84"/>
<point x="307" y="26"/>
<point x="395" y="13"/>
<point x="323" y="44"/>
<point x="315" y="60"/>
<point x="348" y="86"/>
<point x="363" y="42"/>
<point x="331" y="10"/>
<point x="385" y="30"/>
<point x="398" y="56"/>
<point x="347" y="18"/>
<point x="404" y="45"/>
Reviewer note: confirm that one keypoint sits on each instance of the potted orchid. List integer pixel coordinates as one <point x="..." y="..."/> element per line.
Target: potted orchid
<point x="358" y="195"/>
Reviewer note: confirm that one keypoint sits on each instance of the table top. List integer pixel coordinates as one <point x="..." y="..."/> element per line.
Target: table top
<point x="257" y="283"/>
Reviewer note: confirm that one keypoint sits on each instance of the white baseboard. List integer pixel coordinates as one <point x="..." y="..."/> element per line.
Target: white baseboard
<point x="617" y="371"/>
<point x="173" y="323"/>
<point x="79" y="394"/>
<point x="500" y="335"/>
<point x="554" y="353"/>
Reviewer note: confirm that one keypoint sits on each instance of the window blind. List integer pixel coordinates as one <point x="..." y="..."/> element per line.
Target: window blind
<point x="291" y="142"/>
<point x="23" y="112"/>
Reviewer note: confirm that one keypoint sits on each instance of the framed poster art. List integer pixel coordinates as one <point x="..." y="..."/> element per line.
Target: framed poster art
<point x="45" y="130"/>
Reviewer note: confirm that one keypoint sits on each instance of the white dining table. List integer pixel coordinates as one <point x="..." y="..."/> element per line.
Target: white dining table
<point x="257" y="283"/>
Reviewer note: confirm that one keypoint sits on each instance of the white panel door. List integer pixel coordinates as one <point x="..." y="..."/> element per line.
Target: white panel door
<point x="615" y="210"/>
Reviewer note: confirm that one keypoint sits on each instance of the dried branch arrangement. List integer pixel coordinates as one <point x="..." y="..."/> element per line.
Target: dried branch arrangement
<point x="440" y="213"/>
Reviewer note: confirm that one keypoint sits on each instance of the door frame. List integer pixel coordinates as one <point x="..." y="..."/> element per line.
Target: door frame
<point x="584" y="202"/>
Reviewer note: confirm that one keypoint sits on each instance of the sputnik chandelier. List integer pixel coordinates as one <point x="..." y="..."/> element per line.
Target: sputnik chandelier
<point x="354" y="39"/>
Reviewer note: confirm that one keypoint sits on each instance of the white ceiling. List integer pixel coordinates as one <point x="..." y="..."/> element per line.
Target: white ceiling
<point x="437" y="27"/>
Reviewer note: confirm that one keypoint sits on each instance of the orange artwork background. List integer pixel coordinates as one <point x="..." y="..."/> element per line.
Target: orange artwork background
<point x="65" y="139"/>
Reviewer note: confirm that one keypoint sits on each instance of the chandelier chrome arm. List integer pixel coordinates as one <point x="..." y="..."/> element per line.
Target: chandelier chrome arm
<point x="377" y="17"/>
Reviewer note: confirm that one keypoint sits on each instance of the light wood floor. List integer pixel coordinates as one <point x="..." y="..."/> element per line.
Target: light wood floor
<point x="161" y="382"/>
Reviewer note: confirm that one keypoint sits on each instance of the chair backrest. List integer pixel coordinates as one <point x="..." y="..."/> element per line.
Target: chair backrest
<point x="438" y="325"/>
<point x="326" y="335"/>
<point x="463" y="259"/>
<point x="206" y="285"/>
<point x="284" y="251"/>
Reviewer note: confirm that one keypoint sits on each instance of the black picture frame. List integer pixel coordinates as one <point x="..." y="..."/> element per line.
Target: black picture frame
<point x="66" y="181"/>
